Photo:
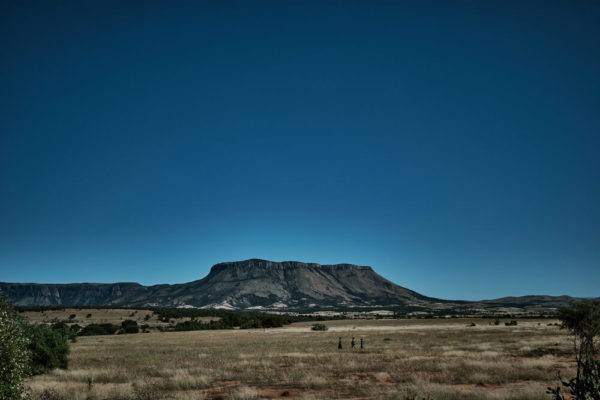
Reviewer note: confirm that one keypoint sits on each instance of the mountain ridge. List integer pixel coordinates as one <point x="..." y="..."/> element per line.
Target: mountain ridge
<point x="268" y="285"/>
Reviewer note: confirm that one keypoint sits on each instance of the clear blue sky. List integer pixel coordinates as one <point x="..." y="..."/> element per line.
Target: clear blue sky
<point x="453" y="146"/>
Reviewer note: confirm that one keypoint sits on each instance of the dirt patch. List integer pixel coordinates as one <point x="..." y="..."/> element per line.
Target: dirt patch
<point x="227" y="383"/>
<point x="360" y="375"/>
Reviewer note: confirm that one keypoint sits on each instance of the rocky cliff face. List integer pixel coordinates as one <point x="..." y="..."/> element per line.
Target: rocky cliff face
<point x="252" y="284"/>
<point x="291" y="284"/>
<point x="85" y="294"/>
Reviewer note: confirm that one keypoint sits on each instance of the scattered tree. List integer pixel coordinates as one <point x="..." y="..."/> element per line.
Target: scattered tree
<point x="582" y="319"/>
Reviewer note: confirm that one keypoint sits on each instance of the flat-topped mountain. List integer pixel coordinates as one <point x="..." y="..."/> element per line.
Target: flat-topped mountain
<point x="267" y="285"/>
<point x="261" y="283"/>
<point x="253" y="284"/>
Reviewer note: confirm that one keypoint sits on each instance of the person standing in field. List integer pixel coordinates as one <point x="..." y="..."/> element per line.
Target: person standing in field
<point x="362" y="343"/>
<point x="340" y="343"/>
<point x="353" y="342"/>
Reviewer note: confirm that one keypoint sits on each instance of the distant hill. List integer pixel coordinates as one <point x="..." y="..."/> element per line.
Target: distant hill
<point x="267" y="285"/>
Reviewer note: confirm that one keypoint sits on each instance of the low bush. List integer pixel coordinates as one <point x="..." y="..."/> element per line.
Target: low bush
<point x="49" y="348"/>
<point x="319" y="327"/>
<point x="99" y="329"/>
<point x="70" y="332"/>
<point x="129" y="326"/>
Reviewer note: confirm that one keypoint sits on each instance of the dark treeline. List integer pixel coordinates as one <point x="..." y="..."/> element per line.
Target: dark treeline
<point x="227" y="319"/>
<point x="233" y="319"/>
<point x="127" y="326"/>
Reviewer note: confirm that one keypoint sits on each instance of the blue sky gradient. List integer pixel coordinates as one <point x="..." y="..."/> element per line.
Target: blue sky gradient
<point x="453" y="146"/>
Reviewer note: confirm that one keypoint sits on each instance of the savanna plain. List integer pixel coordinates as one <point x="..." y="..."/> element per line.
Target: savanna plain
<point x="402" y="359"/>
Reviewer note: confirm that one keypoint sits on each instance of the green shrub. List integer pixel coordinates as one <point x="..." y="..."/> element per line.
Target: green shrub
<point x="74" y="330"/>
<point x="49" y="348"/>
<point x="70" y="332"/>
<point x="98" y="329"/>
<point x="319" y="327"/>
<point x="14" y="352"/>
<point x="129" y="326"/>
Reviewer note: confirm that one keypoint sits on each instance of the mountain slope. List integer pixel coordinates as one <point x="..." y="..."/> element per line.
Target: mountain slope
<point x="260" y="283"/>
<point x="84" y="294"/>
<point x="245" y="284"/>
<point x="268" y="285"/>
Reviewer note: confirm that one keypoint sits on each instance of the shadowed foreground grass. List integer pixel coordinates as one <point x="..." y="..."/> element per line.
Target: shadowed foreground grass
<point x="432" y="359"/>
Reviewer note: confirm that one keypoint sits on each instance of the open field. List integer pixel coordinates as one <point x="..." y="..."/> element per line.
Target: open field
<point x="431" y="359"/>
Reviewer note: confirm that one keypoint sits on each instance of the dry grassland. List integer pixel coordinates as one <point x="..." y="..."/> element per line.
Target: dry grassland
<point x="403" y="359"/>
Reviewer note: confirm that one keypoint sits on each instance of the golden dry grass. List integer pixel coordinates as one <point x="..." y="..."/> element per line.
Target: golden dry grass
<point x="432" y="359"/>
